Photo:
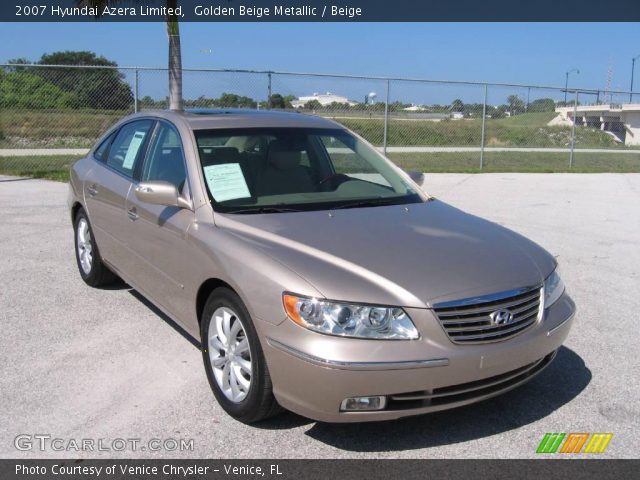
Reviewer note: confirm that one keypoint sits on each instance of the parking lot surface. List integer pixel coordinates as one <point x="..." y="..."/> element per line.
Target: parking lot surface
<point x="81" y="363"/>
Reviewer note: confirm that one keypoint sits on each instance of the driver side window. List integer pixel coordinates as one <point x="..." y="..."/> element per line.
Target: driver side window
<point x="344" y="159"/>
<point x="347" y="161"/>
<point x="165" y="160"/>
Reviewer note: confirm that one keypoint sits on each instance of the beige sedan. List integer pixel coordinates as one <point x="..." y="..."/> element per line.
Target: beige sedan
<point x="317" y="275"/>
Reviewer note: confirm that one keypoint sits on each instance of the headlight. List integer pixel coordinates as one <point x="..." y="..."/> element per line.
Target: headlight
<point x="553" y="288"/>
<point x="350" y="320"/>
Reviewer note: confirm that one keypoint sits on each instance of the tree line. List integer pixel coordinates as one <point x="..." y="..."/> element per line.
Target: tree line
<point x="514" y="105"/>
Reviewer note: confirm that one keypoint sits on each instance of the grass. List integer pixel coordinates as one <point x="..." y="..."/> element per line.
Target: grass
<point x="57" y="167"/>
<point x="80" y="128"/>
<point x="534" y="119"/>
<point x="74" y="128"/>
<point x="525" y="162"/>
<point x="530" y="131"/>
<point x="54" y="167"/>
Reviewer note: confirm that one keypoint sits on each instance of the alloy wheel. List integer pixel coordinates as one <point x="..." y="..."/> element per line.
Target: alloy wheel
<point x="85" y="249"/>
<point x="229" y="354"/>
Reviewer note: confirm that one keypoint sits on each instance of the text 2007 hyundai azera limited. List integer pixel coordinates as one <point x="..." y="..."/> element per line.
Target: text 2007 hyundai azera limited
<point x="318" y="276"/>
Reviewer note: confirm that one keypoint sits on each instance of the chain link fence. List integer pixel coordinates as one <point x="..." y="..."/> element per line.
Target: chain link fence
<point x="50" y="115"/>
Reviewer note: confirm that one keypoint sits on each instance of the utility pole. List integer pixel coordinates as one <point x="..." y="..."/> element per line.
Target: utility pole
<point x="269" y="91"/>
<point x="566" y="82"/>
<point x="573" y="130"/>
<point x="633" y="67"/>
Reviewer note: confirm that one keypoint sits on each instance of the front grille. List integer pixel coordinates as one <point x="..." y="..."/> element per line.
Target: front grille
<point x="468" y="391"/>
<point x="469" y="320"/>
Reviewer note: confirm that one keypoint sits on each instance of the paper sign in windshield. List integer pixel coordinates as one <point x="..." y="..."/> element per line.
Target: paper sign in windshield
<point x="226" y="182"/>
<point x="132" y="152"/>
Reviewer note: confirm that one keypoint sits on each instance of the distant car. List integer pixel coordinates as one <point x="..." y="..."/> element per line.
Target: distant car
<point x="317" y="275"/>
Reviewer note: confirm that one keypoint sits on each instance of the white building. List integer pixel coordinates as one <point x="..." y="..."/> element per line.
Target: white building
<point x="621" y="121"/>
<point x="323" y="98"/>
<point x="414" y="108"/>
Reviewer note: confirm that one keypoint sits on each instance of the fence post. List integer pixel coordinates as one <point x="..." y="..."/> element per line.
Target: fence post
<point x="386" y="121"/>
<point x="269" y="92"/>
<point x="573" y="130"/>
<point x="135" y="91"/>
<point x="484" y="118"/>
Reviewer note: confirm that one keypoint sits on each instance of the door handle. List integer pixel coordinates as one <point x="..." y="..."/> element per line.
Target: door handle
<point x="92" y="190"/>
<point x="132" y="213"/>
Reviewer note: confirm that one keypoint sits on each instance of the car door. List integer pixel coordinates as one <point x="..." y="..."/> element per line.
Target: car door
<point x="107" y="186"/>
<point x="160" y="233"/>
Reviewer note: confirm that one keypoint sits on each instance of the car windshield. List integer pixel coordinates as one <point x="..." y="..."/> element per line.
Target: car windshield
<point x="263" y="170"/>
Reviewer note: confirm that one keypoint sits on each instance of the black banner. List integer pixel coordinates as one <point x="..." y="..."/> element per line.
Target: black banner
<point x="318" y="469"/>
<point x="324" y="11"/>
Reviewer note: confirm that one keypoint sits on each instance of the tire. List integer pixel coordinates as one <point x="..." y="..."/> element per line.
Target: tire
<point x="90" y="265"/>
<point x="237" y="371"/>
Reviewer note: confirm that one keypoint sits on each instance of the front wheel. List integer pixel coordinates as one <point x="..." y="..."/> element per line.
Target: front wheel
<point x="233" y="359"/>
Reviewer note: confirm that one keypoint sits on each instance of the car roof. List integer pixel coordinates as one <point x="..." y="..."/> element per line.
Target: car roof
<point x="202" y="119"/>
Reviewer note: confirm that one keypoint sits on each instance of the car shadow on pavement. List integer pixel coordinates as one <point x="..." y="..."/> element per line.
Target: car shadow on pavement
<point x="193" y="341"/>
<point x="556" y="386"/>
<point x="117" y="284"/>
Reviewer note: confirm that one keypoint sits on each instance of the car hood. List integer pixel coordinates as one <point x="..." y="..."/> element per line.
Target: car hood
<point x="413" y="255"/>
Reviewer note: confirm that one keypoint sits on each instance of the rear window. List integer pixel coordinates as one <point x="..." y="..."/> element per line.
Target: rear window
<point x="128" y="146"/>
<point x="99" y="153"/>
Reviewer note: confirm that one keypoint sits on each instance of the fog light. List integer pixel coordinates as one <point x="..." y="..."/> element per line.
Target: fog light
<point x="363" y="403"/>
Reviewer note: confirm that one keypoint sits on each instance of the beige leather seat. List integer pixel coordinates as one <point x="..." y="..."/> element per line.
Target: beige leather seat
<point x="283" y="173"/>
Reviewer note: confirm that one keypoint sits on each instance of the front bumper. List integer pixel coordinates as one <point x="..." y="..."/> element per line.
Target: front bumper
<point x="313" y="373"/>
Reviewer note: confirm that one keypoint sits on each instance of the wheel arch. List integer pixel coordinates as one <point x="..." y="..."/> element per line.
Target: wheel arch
<point x="75" y="208"/>
<point x="205" y="290"/>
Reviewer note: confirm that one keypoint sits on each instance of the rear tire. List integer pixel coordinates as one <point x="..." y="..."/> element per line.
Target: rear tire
<point x="233" y="359"/>
<point x="90" y="265"/>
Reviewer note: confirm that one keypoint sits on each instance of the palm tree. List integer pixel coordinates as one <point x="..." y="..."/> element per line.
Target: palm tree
<point x="457" y="105"/>
<point x="175" y="55"/>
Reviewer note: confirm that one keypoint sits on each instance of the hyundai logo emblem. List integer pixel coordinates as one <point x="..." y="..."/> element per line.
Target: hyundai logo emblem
<point x="501" y="317"/>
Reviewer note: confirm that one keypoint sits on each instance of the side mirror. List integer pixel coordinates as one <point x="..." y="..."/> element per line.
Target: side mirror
<point x="161" y="193"/>
<point x="417" y="177"/>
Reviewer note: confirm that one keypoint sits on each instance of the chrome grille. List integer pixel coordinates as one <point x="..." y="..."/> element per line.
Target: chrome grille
<point x="469" y="320"/>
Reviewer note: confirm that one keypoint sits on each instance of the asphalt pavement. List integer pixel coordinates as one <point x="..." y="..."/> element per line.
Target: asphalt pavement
<point x="103" y="364"/>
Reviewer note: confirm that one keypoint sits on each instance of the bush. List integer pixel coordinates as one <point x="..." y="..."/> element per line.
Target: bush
<point x="25" y="90"/>
<point x="542" y="105"/>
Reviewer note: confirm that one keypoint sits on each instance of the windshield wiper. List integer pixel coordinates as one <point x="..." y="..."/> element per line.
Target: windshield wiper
<point x="264" y="210"/>
<point x="374" y="202"/>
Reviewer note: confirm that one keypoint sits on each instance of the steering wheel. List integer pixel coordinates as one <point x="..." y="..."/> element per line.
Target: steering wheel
<point x="329" y="177"/>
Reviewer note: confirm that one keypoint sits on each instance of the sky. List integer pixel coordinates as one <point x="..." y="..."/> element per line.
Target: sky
<point x="527" y="53"/>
